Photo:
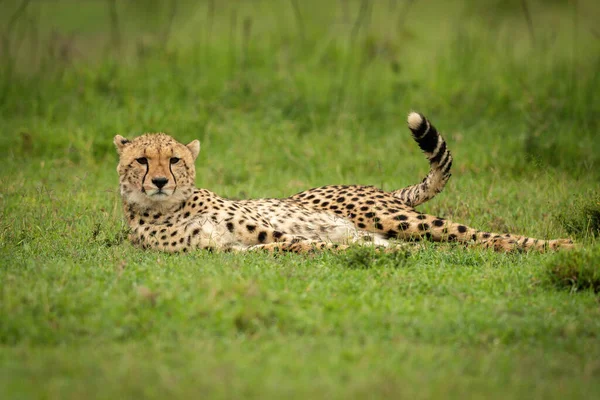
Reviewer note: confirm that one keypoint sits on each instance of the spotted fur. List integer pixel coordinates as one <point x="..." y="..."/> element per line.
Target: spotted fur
<point x="166" y="212"/>
<point x="440" y="162"/>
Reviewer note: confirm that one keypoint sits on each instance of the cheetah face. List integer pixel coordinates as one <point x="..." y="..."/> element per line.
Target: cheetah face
<point x="155" y="168"/>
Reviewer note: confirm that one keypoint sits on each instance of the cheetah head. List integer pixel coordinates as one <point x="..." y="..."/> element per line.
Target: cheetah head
<point x="155" y="169"/>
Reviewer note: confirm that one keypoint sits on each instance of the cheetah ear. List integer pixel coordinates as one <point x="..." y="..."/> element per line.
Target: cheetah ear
<point x="194" y="147"/>
<point x="120" y="142"/>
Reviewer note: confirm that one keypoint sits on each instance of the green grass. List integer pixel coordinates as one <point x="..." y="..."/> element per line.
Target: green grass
<point x="281" y="103"/>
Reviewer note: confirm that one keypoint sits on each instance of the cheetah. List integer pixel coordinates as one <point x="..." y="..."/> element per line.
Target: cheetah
<point x="165" y="211"/>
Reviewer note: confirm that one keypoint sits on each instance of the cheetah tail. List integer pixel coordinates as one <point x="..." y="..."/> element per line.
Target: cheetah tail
<point x="440" y="162"/>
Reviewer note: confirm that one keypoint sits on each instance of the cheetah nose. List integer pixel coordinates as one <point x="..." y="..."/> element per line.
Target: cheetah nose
<point x="160" y="182"/>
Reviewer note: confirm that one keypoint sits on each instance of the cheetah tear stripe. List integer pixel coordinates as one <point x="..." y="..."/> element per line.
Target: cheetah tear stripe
<point x="166" y="212"/>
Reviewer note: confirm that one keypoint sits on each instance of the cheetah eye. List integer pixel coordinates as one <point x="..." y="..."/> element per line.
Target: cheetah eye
<point x="174" y="160"/>
<point x="142" y="160"/>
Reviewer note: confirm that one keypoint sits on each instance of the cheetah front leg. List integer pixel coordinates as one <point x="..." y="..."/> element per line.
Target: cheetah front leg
<point x="303" y="246"/>
<point x="297" y="246"/>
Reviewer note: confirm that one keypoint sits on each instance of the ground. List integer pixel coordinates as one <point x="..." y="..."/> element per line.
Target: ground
<point x="283" y="99"/>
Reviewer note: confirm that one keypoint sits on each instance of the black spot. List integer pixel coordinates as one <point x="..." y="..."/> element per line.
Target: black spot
<point x="462" y="228"/>
<point x="438" y="222"/>
<point x="391" y="234"/>
<point x="163" y="237"/>
<point x="370" y="214"/>
<point x="428" y="235"/>
<point x="438" y="157"/>
<point x="262" y="236"/>
<point x="146" y="214"/>
<point x="423" y="226"/>
<point x="195" y="198"/>
<point x="153" y="233"/>
<point x="429" y="141"/>
<point x="181" y="240"/>
<point x="277" y="234"/>
<point x="186" y="215"/>
<point x="473" y="237"/>
<point x="378" y="225"/>
<point x="452" y="237"/>
<point x="157" y="216"/>
<point x="174" y="233"/>
<point x="340" y="199"/>
<point x="362" y="226"/>
<point x="230" y="227"/>
<point x="364" y="208"/>
<point x="251" y="228"/>
<point x="403" y="226"/>
<point x="196" y="232"/>
<point x="401" y="217"/>
<point x="173" y="243"/>
<point x="485" y="235"/>
<point x="142" y="222"/>
<point x="370" y="202"/>
<point x="316" y="201"/>
<point x="421" y="216"/>
<point x="350" y="206"/>
<point x="325" y="204"/>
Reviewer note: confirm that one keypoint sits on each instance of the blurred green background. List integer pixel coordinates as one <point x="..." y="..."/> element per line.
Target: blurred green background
<point x="80" y="68"/>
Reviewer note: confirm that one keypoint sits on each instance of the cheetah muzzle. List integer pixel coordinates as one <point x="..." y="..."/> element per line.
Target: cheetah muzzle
<point x="165" y="211"/>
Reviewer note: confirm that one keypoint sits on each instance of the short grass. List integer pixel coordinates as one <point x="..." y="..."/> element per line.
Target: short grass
<point x="285" y="96"/>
